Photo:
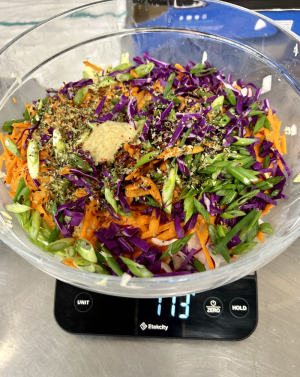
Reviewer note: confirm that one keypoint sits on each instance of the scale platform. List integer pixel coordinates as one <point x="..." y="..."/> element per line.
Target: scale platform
<point x="226" y="313"/>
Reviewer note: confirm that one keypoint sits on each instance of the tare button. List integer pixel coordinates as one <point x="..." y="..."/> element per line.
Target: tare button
<point x="239" y="307"/>
<point x="213" y="306"/>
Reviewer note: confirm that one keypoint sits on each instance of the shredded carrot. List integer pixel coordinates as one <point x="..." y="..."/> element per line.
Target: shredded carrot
<point x="95" y="67"/>
<point x="15" y="101"/>
<point x="203" y="238"/>
<point x="260" y="236"/>
<point x="134" y="74"/>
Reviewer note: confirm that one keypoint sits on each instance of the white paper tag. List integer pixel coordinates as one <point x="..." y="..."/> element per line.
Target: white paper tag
<point x="287" y="24"/>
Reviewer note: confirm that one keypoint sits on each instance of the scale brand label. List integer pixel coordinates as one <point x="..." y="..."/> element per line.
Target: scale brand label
<point x="239" y="307"/>
<point x="143" y="326"/>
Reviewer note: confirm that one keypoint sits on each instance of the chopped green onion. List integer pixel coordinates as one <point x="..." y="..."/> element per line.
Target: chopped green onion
<point x="188" y="208"/>
<point x="146" y="158"/>
<point x="242" y="199"/>
<point x="124" y="77"/>
<point x="259" y="124"/>
<point x="168" y="189"/>
<point x="34" y="224"/>
<point x="242" y="248"/>
<point x="86" y="250"/>
<point x="229" y="198"/>
<point x="266" y="162"/>
<point x="33" y="159"/>
<point x="11" y="146"/>
<point x="224" y="192"/>
<point x="234" y="231"/>
<point x="122" y="67"/>
<point x="109" y="196"/>
<point x="244" y="141"/>
<point x="198" y="265"/>
<point x="136" y="268"/>
<point x="8" y="125"/>
<point x="110" y="260"/>
<point x="84" y="265"/>
<point x="38" y="243"/>
<point x="232" y="214"/>
<point x="266" y="228"/>
<point x="169" y="84"/>
<point x="231" y="96"/>
<point x="71" y="252"/>
<point x="184" y="137"/>
<point x="60" y="244"/>
<point x="80" y="95"/>
<point x="21" y="186"/>
<point x="17" y="208"/>
<point x="245" y="176"/>
<point x="144" y="69"/>
<point x="176" y="246"/>
<point x="246" y="229"/>
<point x="218" y="102"/>
<point x="202" y="210"/>
<point x="107" y="81"/>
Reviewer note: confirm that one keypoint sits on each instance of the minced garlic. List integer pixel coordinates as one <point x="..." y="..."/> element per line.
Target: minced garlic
<point x="107" y="138"/>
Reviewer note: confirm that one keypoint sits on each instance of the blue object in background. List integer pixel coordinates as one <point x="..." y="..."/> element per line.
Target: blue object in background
<point x="291" y="18"/>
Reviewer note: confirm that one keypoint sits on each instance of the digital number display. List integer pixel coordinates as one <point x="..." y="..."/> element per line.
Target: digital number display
<point x="174" y="307"/>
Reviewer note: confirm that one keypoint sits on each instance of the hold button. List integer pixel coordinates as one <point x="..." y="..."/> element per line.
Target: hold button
<point x="239" y="307"/>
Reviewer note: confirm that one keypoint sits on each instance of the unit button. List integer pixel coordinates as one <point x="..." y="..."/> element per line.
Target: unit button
<point x="83" y="302"/>
<point x="213" y="306"/>
<point x="239" y="307"/>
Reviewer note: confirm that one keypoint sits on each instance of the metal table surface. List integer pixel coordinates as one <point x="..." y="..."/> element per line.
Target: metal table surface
<point x="32" y="344"/>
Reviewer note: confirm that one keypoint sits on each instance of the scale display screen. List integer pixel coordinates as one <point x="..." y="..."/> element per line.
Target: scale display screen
<point x="228" y="312"/>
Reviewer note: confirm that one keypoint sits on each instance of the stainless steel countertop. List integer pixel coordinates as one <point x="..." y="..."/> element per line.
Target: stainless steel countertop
<point x="32" y="344"/>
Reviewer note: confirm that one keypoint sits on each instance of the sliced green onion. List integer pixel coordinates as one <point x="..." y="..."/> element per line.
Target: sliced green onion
<point x="110" y="260"/>
<point x="33" y="159"/>
<point x="84" y="265"/>
<point x="11" y="146"/>
<point x="17" y="208"/>
<point x="244" y="141"/>
<point x="241" y="174"/>
<point x="224" y="192"/>
<point x="218" y="102"/>
<point x="232" y="214"/>
<point x="259" y="124"/>
<point x="146" y="158"/>
<point x="229" y="198"/>
<point x="60" y="244"/>
<point x="101" y="269"/>
<point x="266" y="228"/>
<point x="34" y="224"/>
<point x="124" y="77"/>
<point x="61" y="253"/>
<point x="144" y="69"/>
<point x="242" y="200"/>
<point x="107" y="81"/>
<point x="79" y="163"/>
<point x="184" y="137"/>
<point x="109" y="196"/>
<point x="122" y="67"/>
<point x="80" y="95"/>
<point x="71" y="252"/>
<point x="86" y="250"/>
<point x="176" y="246"/>
<point x="202" y="210"/>
<point x="198" y="265"/>
<point x="8" y="125"/>
<point x="20" y="187"/>
<point x="231" y="96"/>
<point x="38" y="243"/>
<point x="169" y="84"/>
<point x="136" y="268"/>
<point x="234" y="231"/>
<point x="188" y="208"/>
<point x="266" y="162"/>
<point x="242" y="248"/>
<point x="24" y="193"/>
<point x="168" y="189"/>
<point x="246" y="228"/>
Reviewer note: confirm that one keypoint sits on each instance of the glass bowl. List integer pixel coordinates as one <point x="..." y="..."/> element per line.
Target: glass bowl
<point x="249" y="45"/>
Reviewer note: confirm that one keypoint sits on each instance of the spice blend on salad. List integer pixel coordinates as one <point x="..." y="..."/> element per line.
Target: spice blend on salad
<point x="150" y="168"/>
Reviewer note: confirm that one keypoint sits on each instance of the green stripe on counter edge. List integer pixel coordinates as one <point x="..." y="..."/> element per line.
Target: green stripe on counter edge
<point x="76" y="15"/>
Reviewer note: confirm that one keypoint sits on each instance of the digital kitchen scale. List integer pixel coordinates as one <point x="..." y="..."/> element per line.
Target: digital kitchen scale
<point x="226" y="313"/>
